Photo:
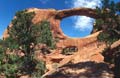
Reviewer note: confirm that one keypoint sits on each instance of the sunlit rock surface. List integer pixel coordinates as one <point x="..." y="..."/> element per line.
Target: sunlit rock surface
<point x="89" y="48"/>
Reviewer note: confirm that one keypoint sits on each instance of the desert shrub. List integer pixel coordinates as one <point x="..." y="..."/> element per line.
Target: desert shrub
<point x="45" y="35"/>
<point x="8" y="62"/>
<point x="21" y="35"/>
<point x="9" y="43"/>
<point x="109" y="21"/>
<point x="110" y="25"/>
<point x="39" y="69"/>
<point x="106" y="37"/>
<point x="21" y="30"/>
<point x="10" y="66"/>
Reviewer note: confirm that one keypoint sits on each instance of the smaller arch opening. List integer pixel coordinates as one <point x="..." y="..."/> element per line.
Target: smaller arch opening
<point x="69" y="50"/>
<point x="72" y="26"/>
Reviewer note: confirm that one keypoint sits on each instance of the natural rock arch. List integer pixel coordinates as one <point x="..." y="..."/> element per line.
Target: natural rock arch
<point x="61" y="14"/>
<point x="89" y="48"/>
<point x="76" y="11"/>
<point x="55" y="17"/>
<point x="74" y="28"/>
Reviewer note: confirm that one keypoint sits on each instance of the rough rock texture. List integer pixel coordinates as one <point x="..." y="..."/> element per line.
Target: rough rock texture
<point x="89" y="48"/>
<point x="83" y="70"/>
<point x="77" y="11"/>
<point x="55" y="16"/>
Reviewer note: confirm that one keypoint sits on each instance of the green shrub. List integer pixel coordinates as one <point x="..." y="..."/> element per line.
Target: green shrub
<point x="46" y="35"/>
<point x="22" y="34"/>
<point x="10" y="66"/>
<point x="110" y="15"/>
<point x="9" y="43"/>
<point x="39" y="69"/>
<point x="109" y="22"/>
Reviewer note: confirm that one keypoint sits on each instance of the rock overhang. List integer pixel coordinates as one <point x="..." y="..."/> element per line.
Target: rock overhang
<point x="55" y="17"/>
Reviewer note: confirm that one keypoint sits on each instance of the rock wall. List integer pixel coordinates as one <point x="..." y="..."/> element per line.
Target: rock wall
<point x="55" y="17"/>
<point x="89" y="47"/>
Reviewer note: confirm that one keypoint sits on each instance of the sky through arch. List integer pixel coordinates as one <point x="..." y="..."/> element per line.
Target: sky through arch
<point x="8" y="9"/>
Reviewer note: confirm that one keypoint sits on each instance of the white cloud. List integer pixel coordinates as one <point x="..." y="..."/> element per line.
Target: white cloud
<point x="82" y="22"/>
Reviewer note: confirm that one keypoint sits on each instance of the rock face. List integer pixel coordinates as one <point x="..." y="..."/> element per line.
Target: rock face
<point x="89" y="48"/>
<point x="55" y="16"/>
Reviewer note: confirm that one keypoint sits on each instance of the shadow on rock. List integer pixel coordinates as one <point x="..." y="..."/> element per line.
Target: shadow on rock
<point x="83" y="70"/>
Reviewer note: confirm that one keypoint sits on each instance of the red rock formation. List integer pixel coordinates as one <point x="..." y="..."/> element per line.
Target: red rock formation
<point x="54" y="17"/>
<point x="89" y="48"/>
<point x="77" y="11"/>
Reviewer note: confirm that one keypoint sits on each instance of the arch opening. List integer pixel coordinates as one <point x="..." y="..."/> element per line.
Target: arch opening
<point x="77" y="26"/>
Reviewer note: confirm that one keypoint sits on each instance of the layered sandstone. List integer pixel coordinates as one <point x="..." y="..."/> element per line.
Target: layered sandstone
<point x="89" y="48"/>
<point x="55" y="16"/>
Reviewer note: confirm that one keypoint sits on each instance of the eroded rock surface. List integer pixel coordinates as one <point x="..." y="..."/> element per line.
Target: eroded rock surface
<point x="83" y="70"/>
<point x="89" y="48"/>
<point x="55" y="16"/>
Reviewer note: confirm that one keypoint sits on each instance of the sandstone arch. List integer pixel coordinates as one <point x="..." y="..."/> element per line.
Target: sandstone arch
<point x="77" y="11"/>
<point x="89" y="47"/>
<point x="55" y="16"/>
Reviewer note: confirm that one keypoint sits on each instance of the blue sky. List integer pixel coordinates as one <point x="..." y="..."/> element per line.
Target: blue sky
<point x="77" y="26"/>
